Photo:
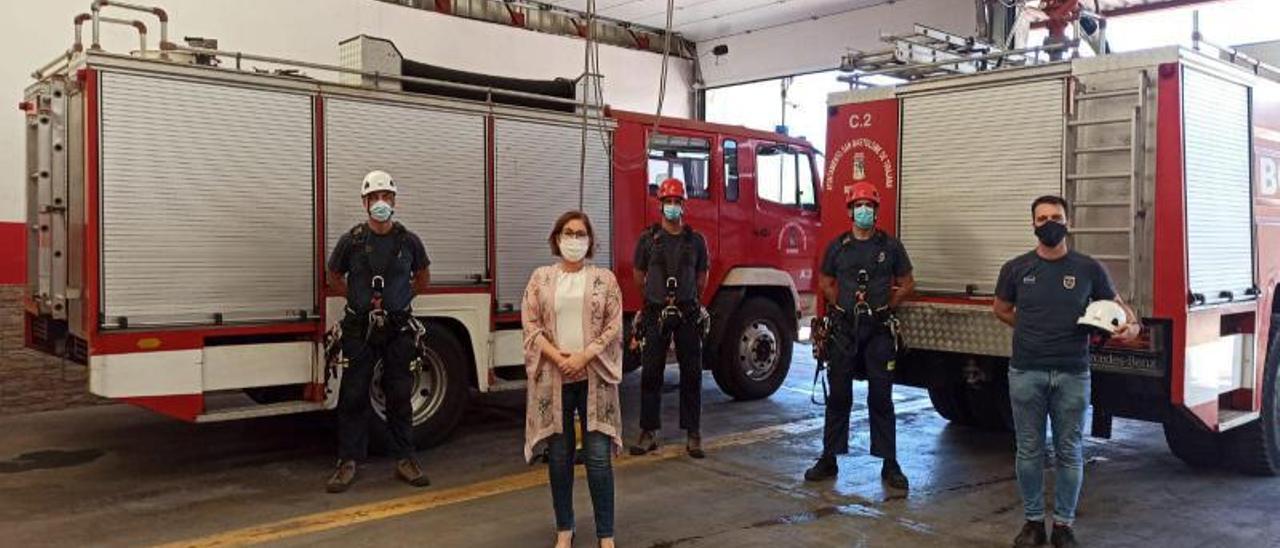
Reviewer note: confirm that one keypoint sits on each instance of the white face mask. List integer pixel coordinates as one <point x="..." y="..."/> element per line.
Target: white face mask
<point x="574" y="249"/>
<point x="381" y="211"/>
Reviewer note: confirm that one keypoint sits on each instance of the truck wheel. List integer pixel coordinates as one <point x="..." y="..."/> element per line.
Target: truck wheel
<point x="755" y="353"/>
<point x="1191" y="442"/>
<point x="987" y="395"/>
<point x="947" y="392"/>
<point x="1255" y="447"/>
<point x="439" y="395"/>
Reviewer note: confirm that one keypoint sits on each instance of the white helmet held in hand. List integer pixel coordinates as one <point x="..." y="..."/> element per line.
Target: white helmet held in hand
<point x="375" y="181"/>
<point x="1106" y="316"/>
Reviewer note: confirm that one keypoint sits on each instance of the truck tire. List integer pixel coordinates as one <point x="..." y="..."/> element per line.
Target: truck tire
<point x="630" y="358"/>
<point x="755" y="353"/>
<point x="1191" y="442"/>
<point x="1255" y="447"/>
<point x="947" y="392"/>
<point x="987" y="397"/>
<point x="440" y="392"/>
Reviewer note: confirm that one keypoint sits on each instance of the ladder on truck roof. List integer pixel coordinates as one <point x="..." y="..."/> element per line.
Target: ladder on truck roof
<point x="1082" y="184"/>
<point x="928" y="52"/>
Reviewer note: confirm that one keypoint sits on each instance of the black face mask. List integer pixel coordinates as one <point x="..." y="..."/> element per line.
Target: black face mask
<point x="1051" y="233"/>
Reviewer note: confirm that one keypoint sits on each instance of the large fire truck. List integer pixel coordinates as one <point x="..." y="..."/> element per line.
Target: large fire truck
<point x="1167" y="158"/>
<point x="181" y="206"/>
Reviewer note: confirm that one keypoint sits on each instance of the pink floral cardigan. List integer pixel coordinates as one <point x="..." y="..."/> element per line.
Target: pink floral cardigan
<point x="602" y="319"/>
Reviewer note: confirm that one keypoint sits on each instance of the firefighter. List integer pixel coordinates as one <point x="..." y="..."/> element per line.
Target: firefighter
<point x="1042" y="295"/>
<point x="380" y="265"/>
<point x="671" y="266"/>
<point x="865" y="275"/>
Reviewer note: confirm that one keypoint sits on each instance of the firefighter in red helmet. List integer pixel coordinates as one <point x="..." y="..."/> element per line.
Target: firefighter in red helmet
<point x="865" y="275"/>
<point x="671" y="266"/>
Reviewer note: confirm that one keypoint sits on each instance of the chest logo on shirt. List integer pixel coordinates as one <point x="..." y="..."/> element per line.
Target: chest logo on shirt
<point x="1069" y="282"/>
<point x="1029" y="280"/>
<point x="880" y="258"/>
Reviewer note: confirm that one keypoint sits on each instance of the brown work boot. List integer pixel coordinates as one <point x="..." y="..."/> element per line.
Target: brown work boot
<point x="694" y="446"/>
<point x="409" y="472"/>
<point x="647" y="443"/>
<point x="342" y="477"/>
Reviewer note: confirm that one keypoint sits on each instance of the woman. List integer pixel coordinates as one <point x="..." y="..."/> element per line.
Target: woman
<point x="572" y="315"/>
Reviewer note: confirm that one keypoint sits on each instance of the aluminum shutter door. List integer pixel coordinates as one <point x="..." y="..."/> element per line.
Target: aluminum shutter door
<point x="1219" y="217"/>
<point x="535" y="181"/>
<point x="437" y="158"/>
<point x="207" y="202"/>
<point x="972" y="163"/>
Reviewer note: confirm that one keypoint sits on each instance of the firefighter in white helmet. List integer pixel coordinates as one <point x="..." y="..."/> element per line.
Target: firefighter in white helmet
<point x="379" y="265"/>
<point x="1043" y="295"/>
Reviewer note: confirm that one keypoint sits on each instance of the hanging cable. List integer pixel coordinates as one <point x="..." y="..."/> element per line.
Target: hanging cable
<point x="587" y="93"/>
<point x="666" y="57"/>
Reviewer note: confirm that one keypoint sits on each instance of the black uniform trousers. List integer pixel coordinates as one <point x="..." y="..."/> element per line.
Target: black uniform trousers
<point x="354" y="408"/>
<point x="687" y="335"/>
<point x="863" y="353"/>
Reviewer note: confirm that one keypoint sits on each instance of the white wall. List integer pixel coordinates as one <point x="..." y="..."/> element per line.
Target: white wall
<point x="32" y="32"/>
<point x="818" y="44"/>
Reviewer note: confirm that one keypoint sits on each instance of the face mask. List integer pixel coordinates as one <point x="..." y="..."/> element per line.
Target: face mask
<point x="672" y="211"/>
<point x="1051" y="233"/>
<point x="381" y="211"/>
<point x="574" y="249"/>
<point x="864" y="216"/>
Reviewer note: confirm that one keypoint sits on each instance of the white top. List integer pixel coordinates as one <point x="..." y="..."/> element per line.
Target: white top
<point x="571" y="289"/>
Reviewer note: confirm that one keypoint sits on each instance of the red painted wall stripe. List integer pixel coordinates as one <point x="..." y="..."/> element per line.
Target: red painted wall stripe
<point x="13" y="253"/>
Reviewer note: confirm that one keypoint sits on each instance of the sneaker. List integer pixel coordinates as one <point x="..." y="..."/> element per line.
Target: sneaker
<point x="647" y="443"/>
<point x="1032" y="534"/>
<point x="694" y="446"/>
<point x="1063" y="537"/>
<point x="824" y="469"/>
<point x="409" y="472"/>
<point x="342" y="477"/>
<point x="892" y="475"/>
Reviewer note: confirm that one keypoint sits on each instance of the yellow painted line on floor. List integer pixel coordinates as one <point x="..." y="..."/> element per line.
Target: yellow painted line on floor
<point x="376" y="511"/>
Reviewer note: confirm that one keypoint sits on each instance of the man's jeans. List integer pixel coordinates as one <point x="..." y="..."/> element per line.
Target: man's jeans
<point x="1062" y="398"/>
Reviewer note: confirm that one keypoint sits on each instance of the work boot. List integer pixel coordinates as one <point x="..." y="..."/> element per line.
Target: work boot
<point x="342" y="477"/>
<point x="1032" y="534"/>
<point x="647" y="443"/>
<point x="1063" y="537"/>
<point x="892" y="475"/>
<point x="824" y="469"/>
<point x="693" y="446"/>
<point x="409" y="472"/>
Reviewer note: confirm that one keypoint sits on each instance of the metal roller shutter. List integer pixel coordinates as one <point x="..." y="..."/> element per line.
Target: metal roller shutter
<point x="438" y="161"/>
<point x="207" y="202"/>
<point x="1219" y="215"/>
<point x="972" y="163"/>
<point x="535" y="181"/>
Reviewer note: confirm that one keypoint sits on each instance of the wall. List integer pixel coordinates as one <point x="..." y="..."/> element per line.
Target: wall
<point x="818" y="44"/>
<point x="35" y="31"/>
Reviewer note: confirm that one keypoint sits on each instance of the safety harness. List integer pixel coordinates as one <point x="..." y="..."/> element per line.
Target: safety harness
<point x="671" y="311"/>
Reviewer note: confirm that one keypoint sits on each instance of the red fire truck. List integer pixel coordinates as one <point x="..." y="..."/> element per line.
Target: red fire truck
<point x="1168" y="160"/>
<point x="181" y="212"/>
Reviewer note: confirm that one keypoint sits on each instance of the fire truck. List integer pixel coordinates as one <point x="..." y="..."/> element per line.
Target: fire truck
<point x="1167" y="158"/>
<point x="182" y="201"/>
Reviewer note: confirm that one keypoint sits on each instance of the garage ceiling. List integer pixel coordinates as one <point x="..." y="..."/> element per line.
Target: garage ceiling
<point x="702" y="20"/>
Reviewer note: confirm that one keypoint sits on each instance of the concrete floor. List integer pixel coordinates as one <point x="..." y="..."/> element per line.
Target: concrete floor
<point x="122" y="476"/>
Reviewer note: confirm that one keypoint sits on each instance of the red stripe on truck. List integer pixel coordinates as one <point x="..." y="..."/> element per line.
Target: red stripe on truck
<point x="13" y="254"/>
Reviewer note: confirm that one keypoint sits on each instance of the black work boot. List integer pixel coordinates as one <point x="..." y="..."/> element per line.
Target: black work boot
<point x="892" y="475"/>
<point x="694" y="446"/>
<point x="1063" y="537"/>
<point x="647" y="443"/>
<point x="409" y="472"/>
<point x="1032" y="534"/>
<point x="824" y="469"/>
<point x="342" y="477"/>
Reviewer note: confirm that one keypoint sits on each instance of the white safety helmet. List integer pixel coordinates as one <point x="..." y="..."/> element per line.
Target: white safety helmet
<point x="377" y="180"/>
<point x="1106" y="316"/>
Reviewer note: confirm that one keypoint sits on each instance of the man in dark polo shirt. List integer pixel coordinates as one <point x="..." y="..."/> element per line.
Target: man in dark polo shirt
<point x="1042" y="295"/>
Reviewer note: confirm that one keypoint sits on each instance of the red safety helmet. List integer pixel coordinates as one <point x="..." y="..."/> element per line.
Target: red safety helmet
<point x="671" y="188"/>
<point x="862" y="191"/>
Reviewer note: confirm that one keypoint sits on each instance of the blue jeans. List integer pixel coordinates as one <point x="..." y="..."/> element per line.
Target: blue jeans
<point x="597" y="457"/>
<point x="1062" y="398"/>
